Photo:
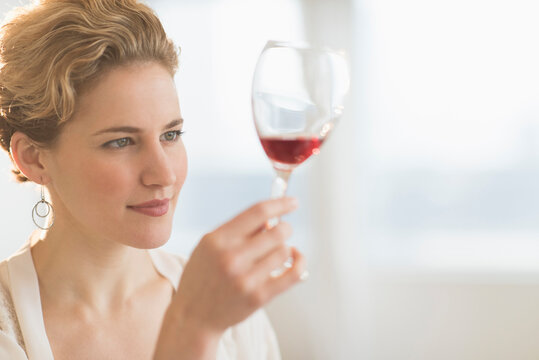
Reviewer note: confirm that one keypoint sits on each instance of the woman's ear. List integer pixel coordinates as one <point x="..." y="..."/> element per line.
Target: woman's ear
<point x="28" y="156"/>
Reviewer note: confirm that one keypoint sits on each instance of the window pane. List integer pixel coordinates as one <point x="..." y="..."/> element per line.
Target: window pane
<point x="452" y="132"/>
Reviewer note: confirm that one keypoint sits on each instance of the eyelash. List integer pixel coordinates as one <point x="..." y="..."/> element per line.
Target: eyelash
<point x="114" y="144"/>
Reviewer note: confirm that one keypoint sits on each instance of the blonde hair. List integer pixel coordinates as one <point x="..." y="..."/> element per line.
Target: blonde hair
<point x="52" y="50"/>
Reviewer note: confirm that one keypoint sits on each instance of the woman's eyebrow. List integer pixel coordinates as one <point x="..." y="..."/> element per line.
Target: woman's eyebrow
<point x="173" y="123"/>
<point x="131" y="129"/>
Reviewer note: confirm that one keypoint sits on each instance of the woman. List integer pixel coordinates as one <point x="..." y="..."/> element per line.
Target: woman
<point x="89" y="111"/>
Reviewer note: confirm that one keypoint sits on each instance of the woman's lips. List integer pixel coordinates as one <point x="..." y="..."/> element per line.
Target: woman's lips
<point x="153" y="208"/>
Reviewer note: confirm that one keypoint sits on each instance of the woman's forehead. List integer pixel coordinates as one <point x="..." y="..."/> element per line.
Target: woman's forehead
<point x="133" y="95"/>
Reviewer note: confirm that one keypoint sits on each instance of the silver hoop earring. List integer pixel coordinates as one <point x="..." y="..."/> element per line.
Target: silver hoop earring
<point x="42" y="215"/>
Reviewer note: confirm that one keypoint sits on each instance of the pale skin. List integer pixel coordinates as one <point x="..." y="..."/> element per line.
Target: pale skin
<point x="101" y="296"/>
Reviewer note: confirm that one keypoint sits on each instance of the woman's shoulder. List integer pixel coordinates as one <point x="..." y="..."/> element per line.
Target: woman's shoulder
<point x="168" y="265"/>
<point x="253" y="338"/>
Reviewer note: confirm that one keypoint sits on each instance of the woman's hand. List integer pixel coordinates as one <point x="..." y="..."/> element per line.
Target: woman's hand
<point x="227" y="277"/>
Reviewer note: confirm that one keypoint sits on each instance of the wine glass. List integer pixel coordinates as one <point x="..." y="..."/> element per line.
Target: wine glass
<point x="297" y="97"/>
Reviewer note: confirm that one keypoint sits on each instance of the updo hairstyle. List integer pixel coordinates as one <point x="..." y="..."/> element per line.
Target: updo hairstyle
<point x="52" y="50"/>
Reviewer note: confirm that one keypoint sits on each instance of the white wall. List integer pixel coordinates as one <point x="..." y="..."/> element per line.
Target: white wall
<point x="439" y="320"/>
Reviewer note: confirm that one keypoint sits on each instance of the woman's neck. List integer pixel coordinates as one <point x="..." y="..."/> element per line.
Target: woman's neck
<point x="98" y="273"/>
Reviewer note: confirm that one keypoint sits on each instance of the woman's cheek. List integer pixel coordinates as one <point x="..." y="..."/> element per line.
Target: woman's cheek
<point x="109" y="178"/>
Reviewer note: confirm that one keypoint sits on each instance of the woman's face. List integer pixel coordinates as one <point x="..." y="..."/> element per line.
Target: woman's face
<point x="119" y="163"/>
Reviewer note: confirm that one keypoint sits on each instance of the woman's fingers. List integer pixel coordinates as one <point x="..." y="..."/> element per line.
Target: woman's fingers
<point x="259" y="286"/>
<point x="265" y="242"/>
<point x="228" y="275"/>
<point x="263" y="285"/>
<point x="238" y="255"/>
<point x="297" y="272"/>
<point x="253" y="219"/>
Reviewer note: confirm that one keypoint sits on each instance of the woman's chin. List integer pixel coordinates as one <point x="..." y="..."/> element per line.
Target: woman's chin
<point x="148" y="244"/>
<point x="148" y="240"/>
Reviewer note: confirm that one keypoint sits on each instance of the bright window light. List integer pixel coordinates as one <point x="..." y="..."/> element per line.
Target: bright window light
<point x="452" y="133"/>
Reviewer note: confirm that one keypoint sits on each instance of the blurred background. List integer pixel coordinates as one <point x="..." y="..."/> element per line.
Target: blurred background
<point x="419" y="218"/>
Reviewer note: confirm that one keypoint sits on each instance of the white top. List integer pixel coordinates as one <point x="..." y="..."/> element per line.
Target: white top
<point x="22" y="330"/>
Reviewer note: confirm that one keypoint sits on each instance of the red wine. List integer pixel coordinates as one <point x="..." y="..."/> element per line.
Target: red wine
<point x="291" y="151"/>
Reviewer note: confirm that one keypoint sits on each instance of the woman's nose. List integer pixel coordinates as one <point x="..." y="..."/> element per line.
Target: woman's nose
<point x="158" y="167"/>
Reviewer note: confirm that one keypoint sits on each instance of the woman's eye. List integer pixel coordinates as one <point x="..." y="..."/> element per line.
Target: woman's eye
<point x="172" y="135"/>
<point x="118" y="143"/>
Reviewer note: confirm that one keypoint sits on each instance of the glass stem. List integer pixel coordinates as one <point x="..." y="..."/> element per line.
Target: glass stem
<point x="278" y="190"/>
